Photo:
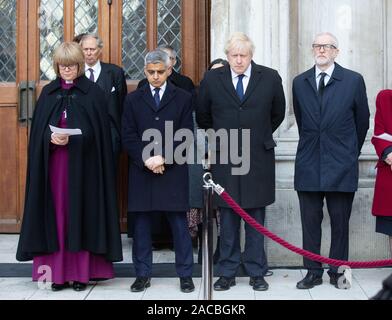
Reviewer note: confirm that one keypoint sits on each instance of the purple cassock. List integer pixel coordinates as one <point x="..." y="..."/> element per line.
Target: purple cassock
<point x="65" y="265"/>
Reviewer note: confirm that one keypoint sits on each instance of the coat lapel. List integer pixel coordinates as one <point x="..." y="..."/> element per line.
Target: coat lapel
<point x="225" y="75"/>
<point x="254" y="80"/>
<point x="311" y="78"/>
<point x="168" y="95"/>
<point x="312" y="95"/>
<point x="104" y="78"/>
<point x="148" y="98"/>
<point x="329" y="92"/>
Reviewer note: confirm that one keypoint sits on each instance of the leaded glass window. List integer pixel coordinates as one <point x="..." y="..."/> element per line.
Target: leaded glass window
<point x="51" y="34"/>
<point x="86" y="16"/>
<point x="169" y="26"/>
<point x="134" y="35"/>
<point x="7" y="41"/>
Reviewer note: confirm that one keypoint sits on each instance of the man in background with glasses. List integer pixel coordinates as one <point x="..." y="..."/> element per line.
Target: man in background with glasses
<point x="332" y="113"/>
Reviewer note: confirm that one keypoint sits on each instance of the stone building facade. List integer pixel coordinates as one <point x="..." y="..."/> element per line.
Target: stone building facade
<point x="283" y="31"/>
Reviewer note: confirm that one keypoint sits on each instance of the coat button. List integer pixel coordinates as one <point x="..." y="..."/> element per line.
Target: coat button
<point x="157" y="118"/>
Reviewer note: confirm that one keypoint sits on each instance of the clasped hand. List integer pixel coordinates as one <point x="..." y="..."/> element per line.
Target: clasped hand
<point x="388" y="160"/>
<point x="60" y="139"/>
<point x="156" y="164"/>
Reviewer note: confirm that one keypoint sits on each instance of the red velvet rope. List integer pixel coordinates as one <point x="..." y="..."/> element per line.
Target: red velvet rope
<point x="307" y="254"/>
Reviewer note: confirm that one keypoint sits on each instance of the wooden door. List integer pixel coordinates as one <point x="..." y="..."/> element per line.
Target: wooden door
<point x="13" y="128"/>
<point x="32" y="29"/>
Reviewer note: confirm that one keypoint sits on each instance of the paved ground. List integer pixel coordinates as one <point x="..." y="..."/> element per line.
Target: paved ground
<point x="366" y="283"/>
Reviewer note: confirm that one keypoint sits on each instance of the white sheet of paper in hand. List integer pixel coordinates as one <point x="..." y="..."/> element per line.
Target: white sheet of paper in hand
<point x="385" y="136"/>
<point x="70" y="132"/>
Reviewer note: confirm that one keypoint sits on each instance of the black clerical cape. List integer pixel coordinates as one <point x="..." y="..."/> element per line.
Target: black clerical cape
<point x="93" y="221"/>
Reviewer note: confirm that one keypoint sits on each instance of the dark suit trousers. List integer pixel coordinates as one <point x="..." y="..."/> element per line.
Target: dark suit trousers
<point x="339" y="206"/>
<point x="253" y="257"/>
<point x="142" y="244"/>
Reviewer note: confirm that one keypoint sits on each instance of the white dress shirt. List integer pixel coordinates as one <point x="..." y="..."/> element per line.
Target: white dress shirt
<point x="328" y="75"/>
<point x="97" y="68"/>
<point x="161" y="91"/>
<point x="245" y="79"/>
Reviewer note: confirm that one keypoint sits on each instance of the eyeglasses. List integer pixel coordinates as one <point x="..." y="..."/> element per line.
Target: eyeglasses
<point x="70" y="67"/>
<point x="324" y="46"/>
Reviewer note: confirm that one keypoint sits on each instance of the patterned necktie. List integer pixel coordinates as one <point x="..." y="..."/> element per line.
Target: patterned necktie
<point x="321" y="84"/>
<point x="156" y="97"/>
<point x="91" y="75"/>
<point x="240" y="87"/>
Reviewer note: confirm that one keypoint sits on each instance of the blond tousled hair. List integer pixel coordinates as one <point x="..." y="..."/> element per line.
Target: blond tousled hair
<point x="240" y="40"/>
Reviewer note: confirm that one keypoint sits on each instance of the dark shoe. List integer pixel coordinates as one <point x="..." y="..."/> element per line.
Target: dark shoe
<point x="140" y="284"/>
<point x="224" y="283"/>
<point x="258" y="283"/>
<point x="79" y="286"/>
<point x="187" y="285"/>
<point x="59" y="287"/>
<point x="334" y="279"/>
<point x="309" y="281"/>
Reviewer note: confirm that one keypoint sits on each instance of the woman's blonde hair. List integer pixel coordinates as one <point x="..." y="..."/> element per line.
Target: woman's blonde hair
<point x="68" y="53"/>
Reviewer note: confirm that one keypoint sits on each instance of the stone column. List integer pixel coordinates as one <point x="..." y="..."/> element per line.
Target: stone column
<point x="283" y="31"/>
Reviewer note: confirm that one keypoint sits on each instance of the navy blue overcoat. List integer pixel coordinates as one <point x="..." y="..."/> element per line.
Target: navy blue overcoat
<point x="331" y="134"/>
<point x="149" y="192"/>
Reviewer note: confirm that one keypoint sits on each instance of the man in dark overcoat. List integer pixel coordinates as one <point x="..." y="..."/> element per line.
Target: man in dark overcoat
<point x="332" y="113"/>
<point x="161" y="236"/>
<point x="243" y="96"/>
<point x="111" y="79"/>
<point x="157" y="184"/>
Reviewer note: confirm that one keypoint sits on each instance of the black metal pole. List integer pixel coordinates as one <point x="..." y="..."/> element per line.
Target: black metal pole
<point x="207" y="262"/>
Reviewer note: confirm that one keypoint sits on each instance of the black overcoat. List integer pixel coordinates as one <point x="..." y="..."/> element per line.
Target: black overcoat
<point x="150" y="192"/>
<point x="331" y="135"/>
<point x="93" y="215"/>
<point x="112" y="81"/>
<point x="261" y="111"/>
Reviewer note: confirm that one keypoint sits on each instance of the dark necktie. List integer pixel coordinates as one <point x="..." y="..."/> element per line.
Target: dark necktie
<point x="321" y="84"/>
<point x="91" y="75"/>
<point x="156" y="97"/>
<point x="240" y="87"/>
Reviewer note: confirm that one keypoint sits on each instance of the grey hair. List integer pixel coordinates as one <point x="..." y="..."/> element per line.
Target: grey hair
<point x="95" y="36"/>
<point x="335" y="41"/>
<point x="157" y="56"/>
<point x="169" y="48"/>
<point x="240" y="40"/>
